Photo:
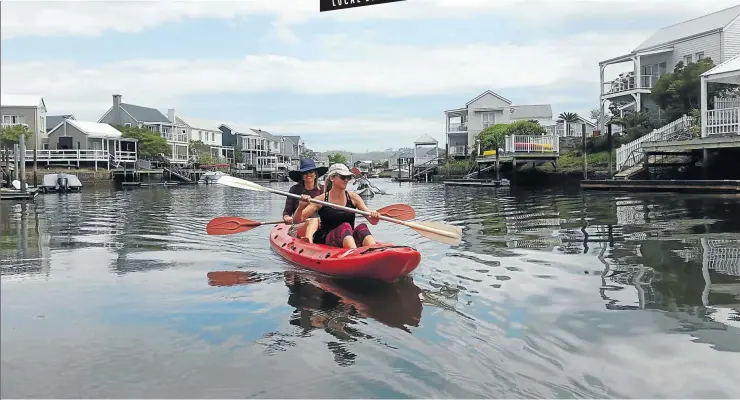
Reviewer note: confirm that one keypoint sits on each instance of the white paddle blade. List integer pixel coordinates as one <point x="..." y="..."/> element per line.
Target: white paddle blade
<point x="238" y="183"/>
<point x="455" y="231"/>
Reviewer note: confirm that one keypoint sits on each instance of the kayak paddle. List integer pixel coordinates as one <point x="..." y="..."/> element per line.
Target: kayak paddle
<point x="231" y="225"/>
<point x="437" y="231"/>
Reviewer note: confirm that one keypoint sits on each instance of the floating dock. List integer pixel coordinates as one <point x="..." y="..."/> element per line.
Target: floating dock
<point x="14" y="194"/>
<point x="694" y="186"/>
<point x="476" y="183"/>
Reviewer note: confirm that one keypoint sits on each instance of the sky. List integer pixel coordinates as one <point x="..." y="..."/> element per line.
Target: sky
<point x="368" y="78"/>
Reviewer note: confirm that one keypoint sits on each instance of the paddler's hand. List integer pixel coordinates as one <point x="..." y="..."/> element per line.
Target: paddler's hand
<point x="374" y="217"/>
<point x="288" y="219"/>
<point x="305" y="200"/>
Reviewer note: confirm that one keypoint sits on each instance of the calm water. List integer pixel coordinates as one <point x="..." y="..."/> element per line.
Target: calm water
<point x="552" y="294"/>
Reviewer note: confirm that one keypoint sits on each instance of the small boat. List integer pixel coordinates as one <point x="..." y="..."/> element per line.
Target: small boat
<point x="60" y="183"/>
<point x="364" y="190"/>
<point x="382" y="261"/>
<point x="212" y="176"/>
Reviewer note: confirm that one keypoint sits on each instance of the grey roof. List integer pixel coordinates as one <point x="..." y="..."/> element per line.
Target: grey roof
<point x="426" y="139"/>
<point x="295" y="139"/>
<point x="264" y="134"/>
<point x="144" y="114"/>
<point x="53" y="120"/>
<point x="706" y="23"/>
<point x="531" y="111"/>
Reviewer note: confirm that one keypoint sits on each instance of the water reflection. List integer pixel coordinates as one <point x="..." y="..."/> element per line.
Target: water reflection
<point x="335" y="306"/>
<point x="24" y="242"/>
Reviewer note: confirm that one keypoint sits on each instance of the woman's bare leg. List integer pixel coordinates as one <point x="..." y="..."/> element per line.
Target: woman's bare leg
<point x="312" y="225"/>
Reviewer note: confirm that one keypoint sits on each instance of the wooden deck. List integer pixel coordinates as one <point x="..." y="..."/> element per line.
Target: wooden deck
<point x="14" y="194"/>
<point x="708" y="143"/>
<point x="694" y="186"/>
<point x="476" y="183"/>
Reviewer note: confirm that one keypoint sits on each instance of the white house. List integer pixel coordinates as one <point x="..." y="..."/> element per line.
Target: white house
<point x="488" y="108"/>
<point x="715" y="35"/>
<point x="29" y="111"/>
<point x="724" y="119"/>
<point x="574" y="128"/>
<point x="92" y="141"/>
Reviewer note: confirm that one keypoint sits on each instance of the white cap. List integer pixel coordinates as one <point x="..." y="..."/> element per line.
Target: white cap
<point x="338" y="169"/>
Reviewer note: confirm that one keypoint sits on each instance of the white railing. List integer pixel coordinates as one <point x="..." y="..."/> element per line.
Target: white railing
<point x="457" y="127"/>
<point x="726" y="102"/>
<point x="9" y="124"/>
<point x="458" y="150"/>
<point x="176" y="137"/>
<point x="76" y="156"/>
<point x="627" y="153"/>
<point x="722" y="122"/>
<point x="532" y="144"/>
<point x="629" y="82"/>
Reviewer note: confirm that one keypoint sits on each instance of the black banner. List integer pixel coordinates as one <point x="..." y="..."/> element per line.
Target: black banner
<point x="331" y="5"/>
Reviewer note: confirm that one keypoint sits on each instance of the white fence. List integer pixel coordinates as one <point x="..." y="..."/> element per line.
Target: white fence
<point x="726" y="102"/>
<point x="532" y="144"/>
<point x="628" y="154"/>
<point x="722" y="121"/>
<point x="76" y="157"/>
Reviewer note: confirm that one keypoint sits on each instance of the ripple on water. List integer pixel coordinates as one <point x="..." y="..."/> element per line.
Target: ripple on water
<point x="551" y="294"/>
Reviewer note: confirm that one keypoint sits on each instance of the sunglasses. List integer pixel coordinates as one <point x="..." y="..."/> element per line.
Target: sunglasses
<point x="345" y="177"/>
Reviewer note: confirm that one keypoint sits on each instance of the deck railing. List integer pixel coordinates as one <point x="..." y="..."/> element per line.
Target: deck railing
<point x="77" y="156"/>
<point x="630" y="153"/>
<point x="726" y="102"/>
<point x="458" y="150"/>
<point x="725" y="121"/>
<point x="630" y="82"/>
<point x="532" y="144"/>
<point x="457" y="127"/>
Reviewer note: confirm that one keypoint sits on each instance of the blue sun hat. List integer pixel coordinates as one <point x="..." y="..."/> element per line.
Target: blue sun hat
<point x="307" y="164"/>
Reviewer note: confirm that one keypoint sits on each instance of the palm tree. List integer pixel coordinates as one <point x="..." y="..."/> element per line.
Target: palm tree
<point x="634" y="124"/>
<point x="568" y="117"/>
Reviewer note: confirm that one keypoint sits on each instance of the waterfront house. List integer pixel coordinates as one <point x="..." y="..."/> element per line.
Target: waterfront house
<point x="82" y="141"/>
<point x="208" y="133"/>
<point x="54" y="120"/>
<point x="293" y="147"/>
<point x="29" y="111"/>
<point x="128" y="115"/>
<point x="715" y="35"/>
<point x="488" y="108"/>
<point x="574" y="128"/>
<point x="243" y="140"/>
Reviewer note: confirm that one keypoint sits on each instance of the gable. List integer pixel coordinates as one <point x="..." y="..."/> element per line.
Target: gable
<point x="489" y="99"/>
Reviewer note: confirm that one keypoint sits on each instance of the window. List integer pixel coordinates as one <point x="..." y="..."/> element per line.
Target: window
<point x="14" y="119"/>
<point x="127" y="124"/>
<point x="661" y="68"/>
<point x="200" y="136"/>
<point x="687" y="59"/>
<point x="487" y="119"/>
<point x="699" y="55"/>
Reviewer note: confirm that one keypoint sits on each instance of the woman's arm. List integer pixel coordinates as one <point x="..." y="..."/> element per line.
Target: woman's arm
<point x="290" y="205"/>
<point x="374" y="217"/>
<point x="305" y="209"/>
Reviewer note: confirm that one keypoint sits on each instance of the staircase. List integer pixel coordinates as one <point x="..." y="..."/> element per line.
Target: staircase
<point x="475" y="172"/>
<point x="178" y="173"/>
<point x="630" y="155"/>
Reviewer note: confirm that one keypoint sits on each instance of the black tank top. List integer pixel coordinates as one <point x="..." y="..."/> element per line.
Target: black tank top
<point x="331" y="218"/>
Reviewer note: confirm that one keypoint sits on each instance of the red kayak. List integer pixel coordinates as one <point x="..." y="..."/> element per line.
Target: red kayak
<point x="382" y="261"/>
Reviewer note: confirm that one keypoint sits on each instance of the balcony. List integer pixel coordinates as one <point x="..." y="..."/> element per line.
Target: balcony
<point x="458" y="151"/>
<point x="457" y="127"/>
<point x="9" y="124"/>
<point x="77" y="156"/>
<point x="627" y="82"/>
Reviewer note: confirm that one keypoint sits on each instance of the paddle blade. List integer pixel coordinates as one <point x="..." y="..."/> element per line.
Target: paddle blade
<point x="230" y="225"/>
<point x="231" y="278"/>
<point x="239" y="183"/>
<point x="356" y="171"/>
<point x="402" y="212"/>
<point x="456" y="232"/>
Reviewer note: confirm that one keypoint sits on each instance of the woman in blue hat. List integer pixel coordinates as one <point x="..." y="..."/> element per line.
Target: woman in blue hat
<point x="307" y="182"/>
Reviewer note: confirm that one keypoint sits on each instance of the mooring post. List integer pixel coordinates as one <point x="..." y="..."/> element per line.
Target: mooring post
<point x="22" y="166"/>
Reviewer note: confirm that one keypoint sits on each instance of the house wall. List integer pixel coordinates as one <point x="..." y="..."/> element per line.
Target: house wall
<point x="209" y="137"/>
<point x="731" y="40"/>
<point x="35" y="118"/>
<point x="710" y="45"/>
<point x="475" y="123"/>
<point x="109" y="118"/>
<point x="228" y="138"/>
<point x="79" y="139"/>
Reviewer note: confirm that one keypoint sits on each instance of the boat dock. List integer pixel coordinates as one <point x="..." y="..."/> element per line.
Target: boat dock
<point x="476" y="182"/>
<point x="694" y="186"/>
<point x="14" y="194"/>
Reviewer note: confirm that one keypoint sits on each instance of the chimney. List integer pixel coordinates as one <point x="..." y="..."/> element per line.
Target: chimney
<point x="171" y="114"/>
<point x="117" y="110"/>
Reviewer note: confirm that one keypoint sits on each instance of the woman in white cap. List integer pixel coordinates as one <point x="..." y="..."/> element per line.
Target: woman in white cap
<point x="338" y="226"/>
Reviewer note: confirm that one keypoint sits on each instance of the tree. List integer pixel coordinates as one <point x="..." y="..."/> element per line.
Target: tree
<point x="337" y="158"/>
<point x="635" y="125"/>
<point x="202" y="152"/>
<point x="150" y="143"/>
<point x="10" y="135"/>
<point x="568" y="117"/>
<point x="679" y="92"/>
<point x="595" y="114"/>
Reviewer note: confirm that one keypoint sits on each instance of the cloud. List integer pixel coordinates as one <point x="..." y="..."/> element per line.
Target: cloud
<point x="85" y="18"/>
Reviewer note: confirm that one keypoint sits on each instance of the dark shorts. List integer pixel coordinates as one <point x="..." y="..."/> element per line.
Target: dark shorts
<point x="336" y="236"/>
